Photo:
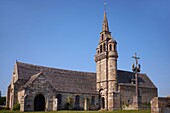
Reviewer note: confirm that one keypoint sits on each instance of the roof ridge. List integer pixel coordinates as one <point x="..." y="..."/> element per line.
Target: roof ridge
<point x="45" y="67"/>
<point x="125" y="71"/>
<point x="132" y="72"/>
<point x="32" y="79"/>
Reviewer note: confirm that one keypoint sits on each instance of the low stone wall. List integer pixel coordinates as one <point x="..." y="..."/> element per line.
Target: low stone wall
<point x="2" y="107"/>
<point x="160" y="105"/>
<point x="127" y="93"/>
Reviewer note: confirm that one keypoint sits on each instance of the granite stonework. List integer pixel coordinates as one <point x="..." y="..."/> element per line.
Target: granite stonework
<point x="56" y="89"/>
<point x="50" y="82"/>
<point x="127" y="93"/>
<point x="116" y="87"/>
<point x="160" y="105"/>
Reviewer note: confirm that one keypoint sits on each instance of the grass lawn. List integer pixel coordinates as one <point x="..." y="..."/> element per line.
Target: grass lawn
<point x="119" y="111"/>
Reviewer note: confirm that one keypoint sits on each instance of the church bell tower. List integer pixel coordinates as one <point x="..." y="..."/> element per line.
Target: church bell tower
<point x="106" y="67"/>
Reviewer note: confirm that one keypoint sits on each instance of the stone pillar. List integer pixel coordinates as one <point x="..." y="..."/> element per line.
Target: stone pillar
<point x="46" y="105"/>
<point x="110" y="101"/>
<point x="22" y="104"/>
<point x="86" y="104"/>
<point x="55" y="103"/>
<point x="135" y="103"/>
<point x="106" y="98"/>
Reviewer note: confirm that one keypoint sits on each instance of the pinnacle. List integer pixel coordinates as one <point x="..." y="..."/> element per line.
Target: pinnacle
<point x="105" y="26"/>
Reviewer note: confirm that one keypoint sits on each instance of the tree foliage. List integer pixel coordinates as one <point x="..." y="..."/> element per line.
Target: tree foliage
<point x="69" y="103"/>
<point x="2" y="100"/>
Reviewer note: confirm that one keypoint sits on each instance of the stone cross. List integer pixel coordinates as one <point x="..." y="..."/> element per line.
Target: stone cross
<point x="136" y="59"/>
<point x="136" y="69"/>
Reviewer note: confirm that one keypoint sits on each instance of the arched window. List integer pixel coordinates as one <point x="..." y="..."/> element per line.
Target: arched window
<point x="102" y="37"/>
<point x="77" y="100"/>
<point x="100" y="48"/>
<point x="115" y="47"/>
<point x="104" y="47"/>
<point x="110" y="47"/>
<point x="93" y="100"/>
<point x="59" y="103"/>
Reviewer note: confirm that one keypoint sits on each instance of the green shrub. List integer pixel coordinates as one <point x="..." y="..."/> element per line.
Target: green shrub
<point x="69" y="103"/>
<point x="147" y="104"/>
<point x="16" y="107"/>
<point x="66" y="107"/>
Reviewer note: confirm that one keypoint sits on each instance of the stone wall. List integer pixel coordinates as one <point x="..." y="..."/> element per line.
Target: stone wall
<point x="40" y="85"/>
<point x="127" y="92"/>
<point x="116" y="101"/>
<point x="160" y="105"/>
<point x="102" y="86"/>
<point x="15" y="85"/>
<point x="82" y="98"/>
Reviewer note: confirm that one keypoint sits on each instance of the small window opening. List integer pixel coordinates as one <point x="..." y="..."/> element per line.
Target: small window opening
<point x="100" y="48"/>
<point x="110" y="46"/>
<point x="102" y="37"/>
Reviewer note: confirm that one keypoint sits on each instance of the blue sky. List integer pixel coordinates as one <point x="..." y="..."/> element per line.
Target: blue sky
<point x="65" y="34"/>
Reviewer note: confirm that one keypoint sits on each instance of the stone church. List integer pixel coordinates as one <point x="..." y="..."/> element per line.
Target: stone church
<point x="40" y="88"/>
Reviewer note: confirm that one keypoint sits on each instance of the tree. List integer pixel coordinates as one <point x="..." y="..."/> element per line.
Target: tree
<point x="69" y="103"/>
<point x="2" y="100"/>
<point x="0" y="94"/>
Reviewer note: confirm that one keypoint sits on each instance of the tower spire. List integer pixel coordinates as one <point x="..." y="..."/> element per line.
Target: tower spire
<point x="105" y="26"/>
<point x="106" y="67"/>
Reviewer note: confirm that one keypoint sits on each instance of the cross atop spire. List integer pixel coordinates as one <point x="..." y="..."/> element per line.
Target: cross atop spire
<point x="105" y="26"/>
<point x="105" y="6"/>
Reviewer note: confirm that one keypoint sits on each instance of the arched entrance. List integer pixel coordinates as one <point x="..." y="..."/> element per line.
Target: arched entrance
<point x="59" y="103"/>
<point x="39" y="103"/>
<point x="103" y="103"/>
<point x="101" y="99"/>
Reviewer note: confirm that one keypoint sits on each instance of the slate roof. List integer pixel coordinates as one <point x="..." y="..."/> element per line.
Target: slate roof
<point x="74" y="81"/>
<point x="62" y="80"/>
<point x="125" y="78"/>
